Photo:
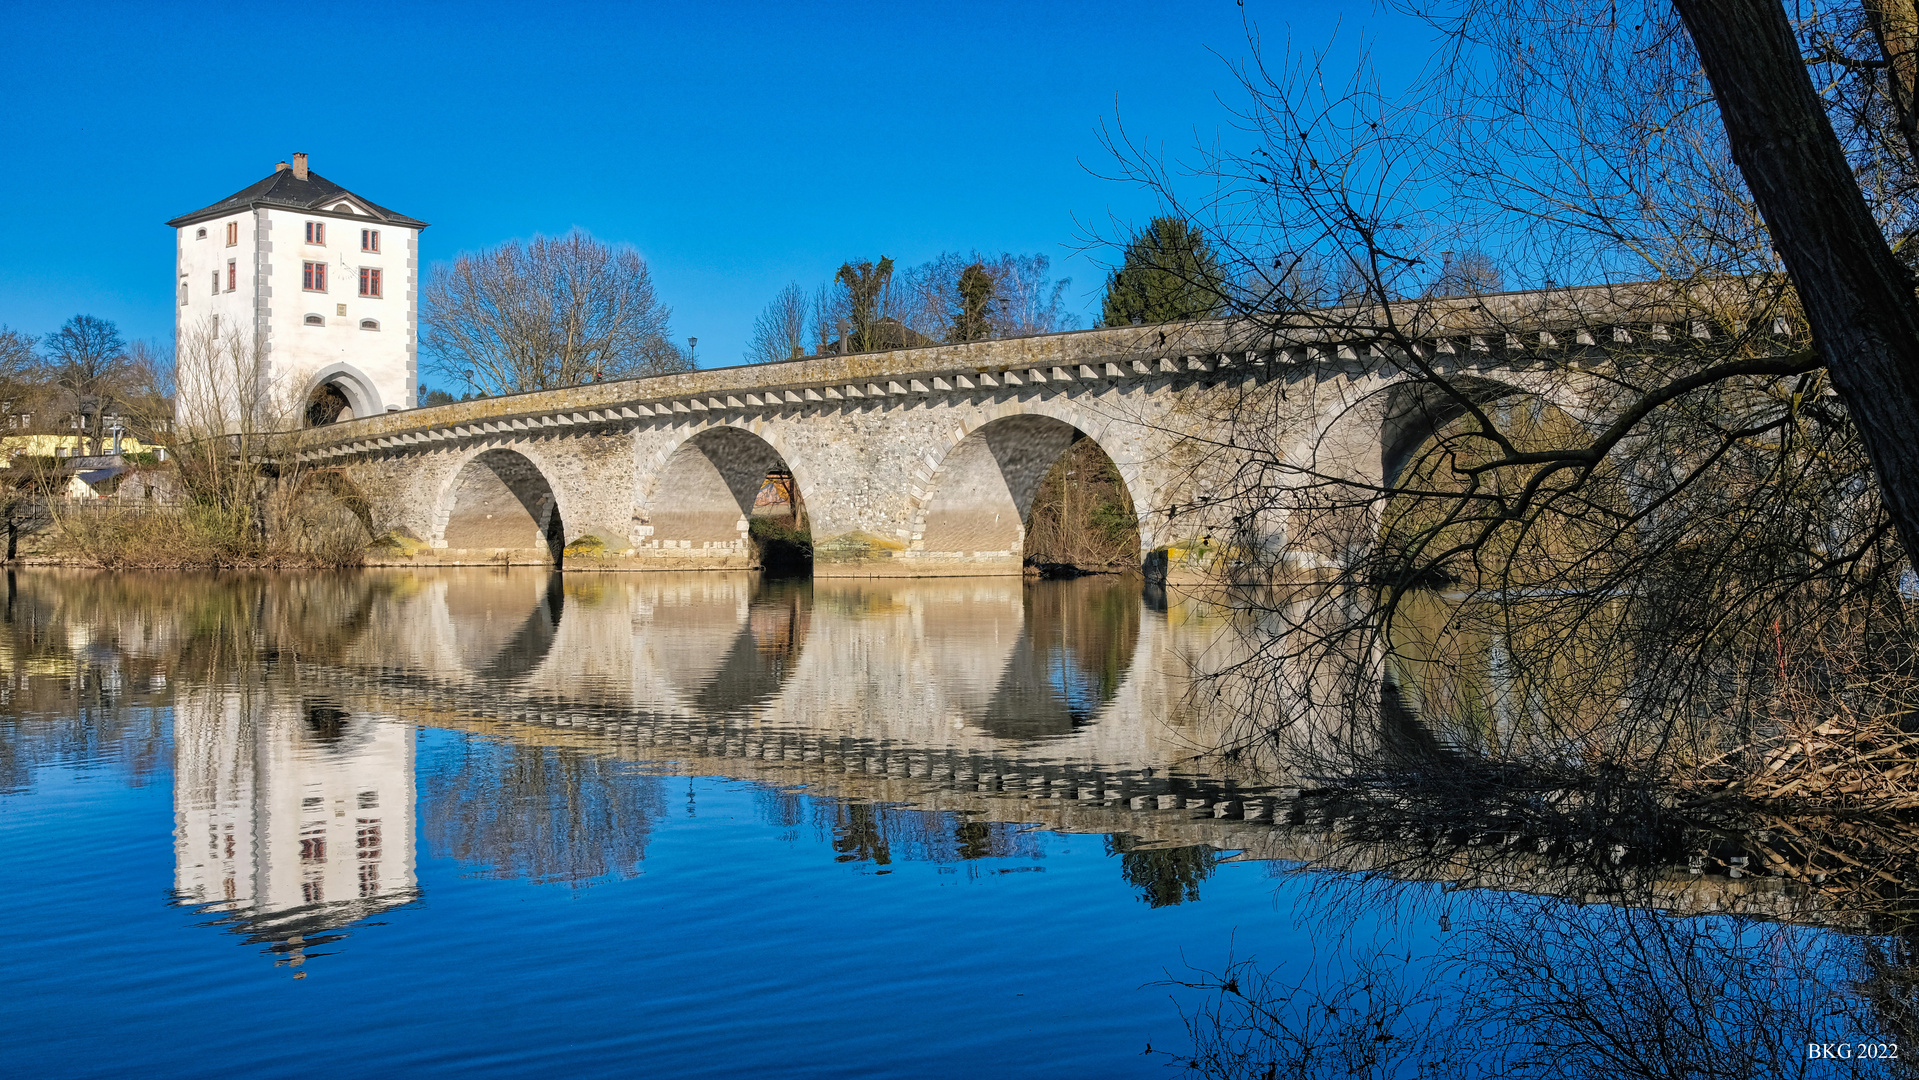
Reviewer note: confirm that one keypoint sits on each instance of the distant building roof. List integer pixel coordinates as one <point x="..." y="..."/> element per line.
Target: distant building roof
<point x="293" y="187"/>
<point x="887" y="334"/>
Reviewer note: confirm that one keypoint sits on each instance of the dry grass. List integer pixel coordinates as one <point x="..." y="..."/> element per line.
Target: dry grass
<point x="309" y="529"/>
<point x="1839" y="735"/>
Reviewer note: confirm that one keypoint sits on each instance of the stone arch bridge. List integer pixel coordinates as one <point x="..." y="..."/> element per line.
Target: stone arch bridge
<point x="917" y="462"/>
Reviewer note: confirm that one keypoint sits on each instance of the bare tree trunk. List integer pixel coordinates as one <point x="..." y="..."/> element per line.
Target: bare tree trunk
<point x="1895" y="26"/>
<point x="1858" y="298"/>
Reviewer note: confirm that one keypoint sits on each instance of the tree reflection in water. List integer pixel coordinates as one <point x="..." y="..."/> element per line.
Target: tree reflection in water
<point x="1524" y="987"/>
<point x="879" y="834"/>
<point x="541" y="813"/>
<point x="1164" y="875"/>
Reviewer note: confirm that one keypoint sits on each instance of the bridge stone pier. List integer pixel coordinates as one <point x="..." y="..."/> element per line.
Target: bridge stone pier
<point x="918" y="462"/>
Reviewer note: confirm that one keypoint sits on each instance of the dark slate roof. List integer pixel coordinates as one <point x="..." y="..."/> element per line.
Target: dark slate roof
<point x="283" y="189"/>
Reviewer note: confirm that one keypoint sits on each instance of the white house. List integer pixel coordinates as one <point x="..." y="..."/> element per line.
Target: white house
<point x="321" y="284"/>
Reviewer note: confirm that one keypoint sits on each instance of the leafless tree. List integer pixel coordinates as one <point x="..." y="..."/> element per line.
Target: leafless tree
<point x="86" y="358"/>
<point x="231" y="413"/>
<point x="17" y="353"/>
<point x="558" y="311"/>
<point x="781" y="331"/>
<point x="1470" y="273"/>
<point x="1021" y="297"/>
<point x="146" y="393"/>
<point x="22" y="383"/>
<point x="1858" y="296"/>
<point x="1005" y="295"/>
<point x="1561" y="527"/>
<point x="869" y="291"/>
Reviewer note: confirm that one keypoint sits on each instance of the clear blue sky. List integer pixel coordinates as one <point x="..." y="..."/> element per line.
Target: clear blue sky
<point x="737" y="146"/>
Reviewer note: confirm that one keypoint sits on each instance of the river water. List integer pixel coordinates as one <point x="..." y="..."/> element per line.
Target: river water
<point x="502" y="822"/>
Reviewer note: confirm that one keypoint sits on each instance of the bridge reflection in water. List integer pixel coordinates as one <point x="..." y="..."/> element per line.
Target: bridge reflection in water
<point x="935" y="719"/>
<point x="986" y="685"/>
<point x="526" y="724"/>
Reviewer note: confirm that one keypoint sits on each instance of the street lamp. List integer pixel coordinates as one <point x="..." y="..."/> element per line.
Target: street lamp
<point x="692" y="350"/>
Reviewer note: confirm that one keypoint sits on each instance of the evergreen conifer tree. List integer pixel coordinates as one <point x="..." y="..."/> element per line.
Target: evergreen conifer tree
<point x="1170" y="274"/>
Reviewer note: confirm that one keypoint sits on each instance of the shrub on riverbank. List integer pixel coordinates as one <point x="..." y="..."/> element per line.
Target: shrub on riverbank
<point x="201" y="536"/>
<point x="1082" y="519"/>
<point x="296" y="519"/>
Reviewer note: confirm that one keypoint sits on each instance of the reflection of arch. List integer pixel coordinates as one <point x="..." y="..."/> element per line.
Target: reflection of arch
<point x="725" y="668"/>
<point x="1074" y="649"/>
<point x="980" y="497"/>
<point x="1503" y="632"/>
<point x="350" y="385"/>
<point x="325" y="724"/>
<point x="504" y="633"/>
<point x="703" y="492"/>
<point x="500" y="501"/>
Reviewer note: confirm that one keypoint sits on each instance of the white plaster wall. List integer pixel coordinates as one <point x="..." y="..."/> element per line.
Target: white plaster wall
<point x="198" y="260"/>
<point x="299" y="352"/>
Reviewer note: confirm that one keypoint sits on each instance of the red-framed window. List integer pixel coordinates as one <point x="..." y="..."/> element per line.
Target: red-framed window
<point x="233" y="233"/>
<point x="313" y="276"/>
<point x="369" y="281"/>
<point x="233" y="275"/>
<point x="369" y="239"/>
<point x="316" y="232"/>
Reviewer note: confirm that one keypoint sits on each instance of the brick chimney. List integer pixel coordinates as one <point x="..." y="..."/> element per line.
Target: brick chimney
<point x="281" y="167"/>
<point x="299" y="166"/>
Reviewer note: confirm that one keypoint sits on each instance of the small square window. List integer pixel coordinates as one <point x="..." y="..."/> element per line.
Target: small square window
<point x="369" y="239"/>
<point x="199" y="234"/>
<point x="316" y="232"/>
<point x="233" y="233"/>
<point x="369" y="281"/>
<point x="313" y="276"/>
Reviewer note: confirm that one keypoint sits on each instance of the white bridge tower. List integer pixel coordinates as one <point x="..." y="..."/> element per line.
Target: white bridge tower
<point x="298" y="302"/>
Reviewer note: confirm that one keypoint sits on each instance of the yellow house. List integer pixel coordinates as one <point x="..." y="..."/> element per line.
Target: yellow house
<point x="58" y="446"/>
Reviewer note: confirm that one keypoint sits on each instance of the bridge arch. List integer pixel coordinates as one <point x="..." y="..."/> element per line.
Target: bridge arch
<point x="1369" y="435"/>
<point x="699" y="497"/>
<point x="338" y="392"/>
<point x="979" y="496"/>
<point x="1525" y="645"/>
<point x="500" y="506"/>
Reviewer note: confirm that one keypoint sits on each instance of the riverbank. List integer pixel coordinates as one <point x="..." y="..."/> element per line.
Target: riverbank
<point x="186" y="537"/>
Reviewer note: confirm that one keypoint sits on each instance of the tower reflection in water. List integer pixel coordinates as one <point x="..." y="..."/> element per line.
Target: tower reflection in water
<point x="293" y="818"/>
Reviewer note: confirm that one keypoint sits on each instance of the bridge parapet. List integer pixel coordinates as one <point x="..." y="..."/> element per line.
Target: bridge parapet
<point x="926" y="461"/>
